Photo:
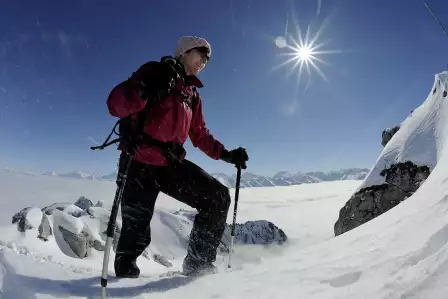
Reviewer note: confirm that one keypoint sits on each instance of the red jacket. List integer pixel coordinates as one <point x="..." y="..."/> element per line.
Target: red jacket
<point x="169" y="120"/>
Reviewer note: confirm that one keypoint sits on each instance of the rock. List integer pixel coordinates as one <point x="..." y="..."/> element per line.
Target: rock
<point x="22" y="214"/>
<point x="83" y="203"/>
<point x="388" y="134"/>
<point x="69" y="234"/>
<point x="407" y="176"/>
<point x="162" y="260"/>
<point x="78" y="242"/>
<point x="76" y="231"/>
<point x="78" y="209"/>
<point x="27" y="218"/>
<point x="402" y="180"/>
<point x="58" y="206"/>
<point x="20" y="219"/>
<point x="261" y="232"/>
<point x="23" y="225"/>
<point x="44" y="228"/>
<point x="75" y="211"/>
<point x="103" y="216"/>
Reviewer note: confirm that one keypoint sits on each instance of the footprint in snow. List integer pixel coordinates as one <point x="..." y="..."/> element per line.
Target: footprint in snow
<point x="344" y="280"/>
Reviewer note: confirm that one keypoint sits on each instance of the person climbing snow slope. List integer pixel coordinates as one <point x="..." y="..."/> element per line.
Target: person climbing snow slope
<point x="159" y="163"/>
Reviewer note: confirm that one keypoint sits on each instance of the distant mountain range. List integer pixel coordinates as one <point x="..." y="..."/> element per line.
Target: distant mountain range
<point x="248" y="179"/>
<point x="284" y="178"/>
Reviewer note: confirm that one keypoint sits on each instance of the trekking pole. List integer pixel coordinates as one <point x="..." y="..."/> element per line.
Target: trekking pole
<point x="111" y="225"/>
<point x="237" y="191"/>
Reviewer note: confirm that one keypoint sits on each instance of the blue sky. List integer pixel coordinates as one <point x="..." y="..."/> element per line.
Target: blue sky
<point x="59" y="60"/>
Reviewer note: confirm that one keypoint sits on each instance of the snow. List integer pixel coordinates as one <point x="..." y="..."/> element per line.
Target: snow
<point x="403" y="253"/>
<point x="291" y="208"/>
<point x="422" y="136"/>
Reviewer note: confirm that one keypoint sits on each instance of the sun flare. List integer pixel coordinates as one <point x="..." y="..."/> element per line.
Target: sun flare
<point x="303" y="51"/>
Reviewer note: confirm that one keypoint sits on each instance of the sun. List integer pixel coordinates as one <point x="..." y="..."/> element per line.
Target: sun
<point x="304" y="52"/>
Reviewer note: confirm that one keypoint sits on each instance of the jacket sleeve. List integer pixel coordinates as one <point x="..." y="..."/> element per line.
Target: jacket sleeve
<point x="199" y="134"/>
<point x="125" y="99"/>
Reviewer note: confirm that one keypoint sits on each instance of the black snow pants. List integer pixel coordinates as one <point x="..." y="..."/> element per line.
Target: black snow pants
<point x="185" y="182"/>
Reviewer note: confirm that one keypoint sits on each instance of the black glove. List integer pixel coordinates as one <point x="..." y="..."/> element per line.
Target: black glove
<point x="237" y="157"/>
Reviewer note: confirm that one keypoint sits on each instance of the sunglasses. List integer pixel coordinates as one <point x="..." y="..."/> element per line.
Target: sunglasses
<point x="204" y="53"/>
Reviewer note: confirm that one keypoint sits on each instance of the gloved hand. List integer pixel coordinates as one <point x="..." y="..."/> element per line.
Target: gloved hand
<point x="237" y="157"/>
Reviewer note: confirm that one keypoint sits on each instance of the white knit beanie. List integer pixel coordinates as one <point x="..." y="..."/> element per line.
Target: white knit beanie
<point x="186" y="43"/>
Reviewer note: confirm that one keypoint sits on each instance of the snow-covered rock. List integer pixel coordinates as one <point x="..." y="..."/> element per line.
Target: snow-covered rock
<point x="83" y="203"/>
<point x="407" y="160"/>
<point x="27" y="218"/>
<point x="258" y="232"/>
<point x="61" y="206"/>
<point x="77" y="232"/>
<point x="77" y="209"/>
<point x="74" y="210"/>
<point x="76" y="227"/>
<point x="17" y="218"/>
<point x="69" y="234"/>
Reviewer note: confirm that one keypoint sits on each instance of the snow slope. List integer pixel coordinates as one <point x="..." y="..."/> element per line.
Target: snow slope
<point x="24" y="257"/>
<point x="400" y="254"/>
<point x="422" y="136"/>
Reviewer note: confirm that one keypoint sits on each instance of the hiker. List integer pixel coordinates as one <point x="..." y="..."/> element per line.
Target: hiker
<point x="159" y="163"/>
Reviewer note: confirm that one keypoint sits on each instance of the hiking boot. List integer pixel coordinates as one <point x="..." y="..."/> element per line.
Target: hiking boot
<point x="126" y="267"/>
<point x="191" y="267"/>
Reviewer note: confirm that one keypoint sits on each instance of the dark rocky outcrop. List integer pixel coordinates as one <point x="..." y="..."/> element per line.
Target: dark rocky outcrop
<point x="406" y="176"/>
<point x="402" y="180"/>
<point x="388" y="133"/>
